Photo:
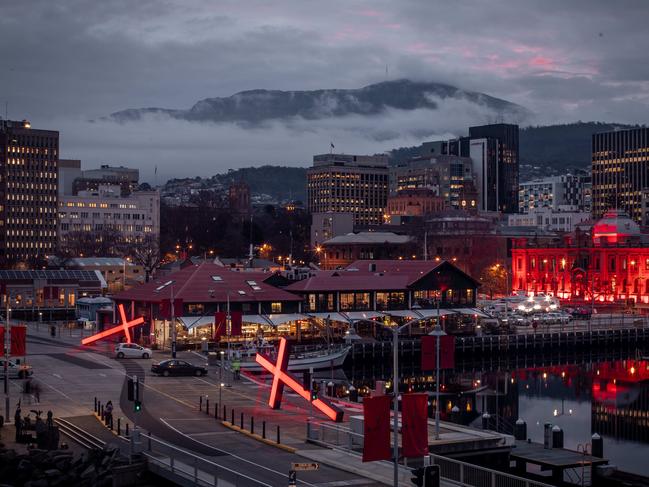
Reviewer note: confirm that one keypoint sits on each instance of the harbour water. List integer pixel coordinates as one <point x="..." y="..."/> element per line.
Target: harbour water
<point x="583" y="396"/>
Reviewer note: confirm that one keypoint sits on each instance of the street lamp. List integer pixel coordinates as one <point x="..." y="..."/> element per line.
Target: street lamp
<point x="438" y="333"/>
<point x="221" y="385"/>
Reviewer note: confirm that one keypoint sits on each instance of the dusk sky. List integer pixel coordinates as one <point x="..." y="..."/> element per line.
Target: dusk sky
<point x="67" y="62"/>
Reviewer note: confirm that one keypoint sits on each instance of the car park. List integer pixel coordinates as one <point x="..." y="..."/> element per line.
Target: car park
<point x="131" y="350"/>
<point x="170" y="367"/>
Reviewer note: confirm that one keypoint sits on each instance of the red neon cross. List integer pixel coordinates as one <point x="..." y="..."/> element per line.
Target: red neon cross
<point x="123" y="326"/>
<point x="281" y="377"/>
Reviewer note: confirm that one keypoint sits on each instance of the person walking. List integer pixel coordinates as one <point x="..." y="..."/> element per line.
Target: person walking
<point x="108" y="414"/>
<point x="18" y="423"/>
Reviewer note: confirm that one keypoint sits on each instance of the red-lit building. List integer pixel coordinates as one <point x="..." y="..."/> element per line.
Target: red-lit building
<point x="610" y="262"/>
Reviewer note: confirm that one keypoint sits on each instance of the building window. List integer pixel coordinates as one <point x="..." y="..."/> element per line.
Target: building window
<point x="195" y="308"/>
<point x="519" y="264"/>
<point x="311" y="302"/>
<point x="346" y="301"/>
<point x="276" y="307"/>
<point x="611" y="264"/>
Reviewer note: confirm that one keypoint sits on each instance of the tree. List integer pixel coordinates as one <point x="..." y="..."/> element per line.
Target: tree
<point x="146" y="252"/>
<point x="494" y="280"/>
<point x="95" y="243"/>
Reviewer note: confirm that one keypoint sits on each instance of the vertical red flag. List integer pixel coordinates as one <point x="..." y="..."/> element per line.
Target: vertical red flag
<point x="18" y="340"/>
<point x="376" y="428"/>
<point x="235" y="323"/>
<point x="178" y="307"/>
<point x="429" y="350"/>
<point x="165" y="309"/>
<point x="414" y="429"/>
<point x="219" y="324"/>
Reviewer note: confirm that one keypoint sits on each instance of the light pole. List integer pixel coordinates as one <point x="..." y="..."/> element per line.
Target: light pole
<point x="438" y="333"/>
<point x="7" y="345"/>
<point x="221" y="396"/>
<point x="173" y="324"/>
<point x="395" y="390"/>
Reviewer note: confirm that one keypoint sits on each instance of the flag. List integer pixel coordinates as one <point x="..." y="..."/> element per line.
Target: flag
<point x="428" y="350"/>
<point x="376" y="428"/>
<point x="236" y="318"/>
<point x="155" y="171"/>
<point x="414" y="429"/>
<point x="219" y="324"/>
<point x="18" y="337"/>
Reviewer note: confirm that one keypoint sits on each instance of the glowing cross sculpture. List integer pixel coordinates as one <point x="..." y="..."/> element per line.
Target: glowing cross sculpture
<point x="281" y="377"/>
<point x="123" y="326"/>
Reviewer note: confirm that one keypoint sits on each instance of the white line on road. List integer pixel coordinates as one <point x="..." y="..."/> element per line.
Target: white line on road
<point x="57" y="376"/>
<point x="233" y="455"/>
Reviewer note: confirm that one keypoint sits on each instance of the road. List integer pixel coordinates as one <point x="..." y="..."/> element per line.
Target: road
<point x="71" y="376"/>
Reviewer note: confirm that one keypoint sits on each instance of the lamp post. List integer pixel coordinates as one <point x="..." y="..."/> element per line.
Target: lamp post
<point x="173" y="324"/>
<point x="221" y="385"/>
<point x="438" y="333"/>
<point x="395" y="390"/>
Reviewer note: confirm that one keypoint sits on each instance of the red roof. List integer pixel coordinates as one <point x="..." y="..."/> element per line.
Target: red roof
<point x="368" y="275"/>
<point x="208" y="283"/>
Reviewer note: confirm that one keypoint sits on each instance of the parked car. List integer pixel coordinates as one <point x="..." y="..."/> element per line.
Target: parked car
<point x="177" y="367"/>
<point x="15" y="370"/>
<point x="131" y="350"/>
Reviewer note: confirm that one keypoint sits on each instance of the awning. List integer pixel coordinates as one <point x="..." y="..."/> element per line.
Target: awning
<point x="190" y="322"/>
<point x="256" y="320"/>
<point x="472" y="312"/>
<point x="332" y="316"/>
<point x="362" y="315"/>
<point x="280" y="319"/>
<point x="433" y="313"/>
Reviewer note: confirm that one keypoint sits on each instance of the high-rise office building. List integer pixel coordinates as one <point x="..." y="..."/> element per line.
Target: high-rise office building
<point x="342" y="183"/>
<point x="555" y="192"/>
<point x="507" y="165"/>
<point x="620" y="169"/>
<point x="28" y="192"/>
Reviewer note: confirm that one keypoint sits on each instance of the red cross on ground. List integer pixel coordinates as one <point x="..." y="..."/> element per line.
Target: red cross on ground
<point x="123" y="326"/>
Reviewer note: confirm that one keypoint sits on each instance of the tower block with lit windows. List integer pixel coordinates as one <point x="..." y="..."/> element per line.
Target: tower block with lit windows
<point x="28" y="193"/>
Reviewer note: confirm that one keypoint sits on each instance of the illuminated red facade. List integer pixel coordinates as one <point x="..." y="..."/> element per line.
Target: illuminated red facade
<point x="610" y="263"/>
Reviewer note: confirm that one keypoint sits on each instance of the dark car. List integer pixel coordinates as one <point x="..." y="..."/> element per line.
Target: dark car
<point x="177" y="367"/>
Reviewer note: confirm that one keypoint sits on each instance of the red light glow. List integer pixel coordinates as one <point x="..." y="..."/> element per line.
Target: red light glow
<point x="123" y="326"/>
<point x="281" y="377"/>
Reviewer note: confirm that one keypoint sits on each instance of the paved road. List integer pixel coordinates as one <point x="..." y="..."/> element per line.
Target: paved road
<point x="71" y="376"/>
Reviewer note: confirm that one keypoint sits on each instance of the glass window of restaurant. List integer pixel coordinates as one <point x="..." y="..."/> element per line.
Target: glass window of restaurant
<point x="358" y="301"/>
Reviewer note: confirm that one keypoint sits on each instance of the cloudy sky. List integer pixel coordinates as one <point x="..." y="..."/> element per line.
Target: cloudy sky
<point x="65" y="62"/>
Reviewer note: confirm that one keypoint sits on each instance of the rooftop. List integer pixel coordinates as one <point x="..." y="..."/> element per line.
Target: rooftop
<point x="369" y="238"/>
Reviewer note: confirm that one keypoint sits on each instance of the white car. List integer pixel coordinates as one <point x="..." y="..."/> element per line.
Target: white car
<point x="14" y="370"/>
<point x="131" y="350"/>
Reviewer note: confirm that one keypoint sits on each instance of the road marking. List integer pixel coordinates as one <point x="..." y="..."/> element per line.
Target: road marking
<point x="207" y="433"/>
<point x="281" y="474"/>
<point x="57" y="376"/>
<point x="102" y="375"/>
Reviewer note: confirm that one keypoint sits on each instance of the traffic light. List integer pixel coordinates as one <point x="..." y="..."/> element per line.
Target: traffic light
<point x="431" y="476"/>
<point x="418" y="477"/>
<point x="314" y="394"/>
<point x="137" y="406"/>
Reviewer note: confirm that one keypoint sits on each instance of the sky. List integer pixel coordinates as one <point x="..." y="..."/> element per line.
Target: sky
<point x="67" y="62"/>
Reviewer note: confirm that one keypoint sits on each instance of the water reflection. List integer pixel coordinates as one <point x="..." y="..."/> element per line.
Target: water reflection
<point x="606" y="397"/>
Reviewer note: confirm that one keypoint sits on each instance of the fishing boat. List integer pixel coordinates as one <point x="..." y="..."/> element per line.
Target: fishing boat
<point x="301" y="358"/>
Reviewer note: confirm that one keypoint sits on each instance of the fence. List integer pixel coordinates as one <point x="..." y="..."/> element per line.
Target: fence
<point x="454" y="471"/>
<point x="165" y="458"/>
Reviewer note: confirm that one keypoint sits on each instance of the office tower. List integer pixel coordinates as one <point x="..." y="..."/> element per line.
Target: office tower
<point x="69" y="171"/>
<point x="506" y="163"/>
<point x="620" y="171"/>
<point x="554" y="192"/>
<point x="28" y="192"/>
<point x="484" y="157"/>
<point x="342" y="183"/>
<point x="127" y="178"/>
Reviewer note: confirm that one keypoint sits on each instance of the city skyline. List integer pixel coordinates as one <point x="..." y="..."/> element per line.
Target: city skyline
<point x="573" y="64"/>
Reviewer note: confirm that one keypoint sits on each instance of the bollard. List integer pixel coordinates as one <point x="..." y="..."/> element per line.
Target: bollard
<point x="207" y="405"/>
<point x="597" y="445"/>
<point x="200" y="403"/>
<point x="95" y="404"/>
<point x="252" y="425"/>
<point x="557" y="437"/>
<point x="126" y="430"/>
<point x="278" y="435"/>
<point x="263" y="429"/>
<point x="119" y="426"/>
<point x="520" y="430"/>
<point x="242" y="420"/>
<point x="102" y="412"/>
<point x="216" y="411"/>
<point x="353" y="394"/>
<point x="232" y="418"/>
<point x="486" y="417"/>
<point x="547" y="436"/>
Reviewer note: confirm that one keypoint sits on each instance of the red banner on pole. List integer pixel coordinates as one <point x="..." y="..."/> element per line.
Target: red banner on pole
<point x="18" y="340"/>
<point x="376" y="428"/>
<point x="165" y="309"/>
<point x="236" y="323"/>
<point x="219" y="324"/>
<point x="429" y="350"/>
<point x="414" y="429"/>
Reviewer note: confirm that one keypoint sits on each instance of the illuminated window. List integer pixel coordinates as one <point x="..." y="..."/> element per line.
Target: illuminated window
<point x="276" y="307"/>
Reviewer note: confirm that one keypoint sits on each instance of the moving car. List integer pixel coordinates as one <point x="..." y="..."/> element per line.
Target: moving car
<point x="15" y="370"/>
<point x="131" y="350"/>
<point x="177" y="367"/>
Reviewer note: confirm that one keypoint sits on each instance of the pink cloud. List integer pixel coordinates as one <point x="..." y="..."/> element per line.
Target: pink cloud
<point x="541" y="61"/>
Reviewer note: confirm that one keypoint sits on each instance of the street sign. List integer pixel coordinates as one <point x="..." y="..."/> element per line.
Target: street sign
<point x="304" y="466"/>
<point x="292" y="478"/>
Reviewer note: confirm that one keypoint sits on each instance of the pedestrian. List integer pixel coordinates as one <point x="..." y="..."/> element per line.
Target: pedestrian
<point x="18" y="422"/>
<point x="36" y="389"/>
<point x="50" y="419"/>
<point x="108" y="414"/>
<point x="236" y="368"/>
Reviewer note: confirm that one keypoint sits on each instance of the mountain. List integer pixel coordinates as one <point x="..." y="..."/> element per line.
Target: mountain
<point x="256" y="106"/>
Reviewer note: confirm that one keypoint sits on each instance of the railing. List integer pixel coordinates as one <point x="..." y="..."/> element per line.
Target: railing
<point x="453" y="471"/>
<point x="165" y="457"/>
